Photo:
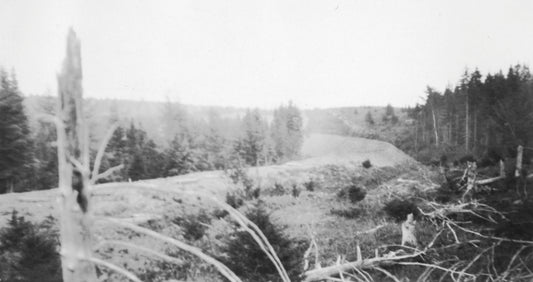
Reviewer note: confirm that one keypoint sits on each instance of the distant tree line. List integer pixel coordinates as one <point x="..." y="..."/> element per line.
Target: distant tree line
<point x="28" y="158"/>
<point x="481" y="116"/>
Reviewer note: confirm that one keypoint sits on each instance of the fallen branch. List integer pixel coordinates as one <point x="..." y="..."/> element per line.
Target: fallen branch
<point x="370" y="231"/>
<point x="489" y="180"/>
<point x="326" y="272"/>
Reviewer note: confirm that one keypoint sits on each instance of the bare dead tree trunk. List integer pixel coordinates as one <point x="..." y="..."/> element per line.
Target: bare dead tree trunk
<point x="73" y="160"/>
<point x="467" y="129"/>
<point x="518" y="171"/>
<point x="435" y="125"/>
<point x="474" y="144"/>
<point x="416" y="133"/>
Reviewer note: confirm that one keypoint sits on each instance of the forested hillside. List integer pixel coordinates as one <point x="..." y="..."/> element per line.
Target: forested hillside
<point x="485" y="116"/>
<point x="151" y="139"/>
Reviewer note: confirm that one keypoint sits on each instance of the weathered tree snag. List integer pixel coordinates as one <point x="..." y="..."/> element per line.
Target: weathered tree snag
<point x="519" y="154"/>
<point x="408" y="232"/>
<point x="73" y="160"/>
<point x="521" y="188"/>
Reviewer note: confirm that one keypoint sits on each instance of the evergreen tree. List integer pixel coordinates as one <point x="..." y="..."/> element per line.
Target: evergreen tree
<point x="480" y="116"/>
<point x="45" y="174"/>
<point x="29" y="252"/>
<point x="179" y="156"/>
<point x="244" y="257"/>
<point x="389" y="115"/>
<point x="287" y="132"/>
<point x="251" y="146"/>
<point x="15" y="142"/>
<point x="369" y="119"/>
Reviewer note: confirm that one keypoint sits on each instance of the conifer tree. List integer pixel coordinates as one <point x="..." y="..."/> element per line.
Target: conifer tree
<point x="15" y="142"/>
<point x="251" y="146"/>
<point x="287" y="132"/>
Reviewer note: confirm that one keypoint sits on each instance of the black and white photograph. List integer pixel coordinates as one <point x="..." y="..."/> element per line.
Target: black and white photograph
<point x="266" y="141"/>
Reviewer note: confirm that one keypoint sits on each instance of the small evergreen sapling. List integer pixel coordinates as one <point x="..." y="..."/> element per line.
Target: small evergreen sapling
<point x="243" y="256"/>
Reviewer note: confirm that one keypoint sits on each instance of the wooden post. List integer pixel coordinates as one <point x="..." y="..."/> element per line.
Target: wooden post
<point x="73" y="161"/>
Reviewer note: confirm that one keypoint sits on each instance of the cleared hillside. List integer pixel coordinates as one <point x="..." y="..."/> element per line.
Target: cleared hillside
<point x="124" y="200"/>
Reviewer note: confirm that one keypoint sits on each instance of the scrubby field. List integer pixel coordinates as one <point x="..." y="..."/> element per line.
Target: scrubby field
<point x="318" y="150"/>
<point x="328" y="202"/>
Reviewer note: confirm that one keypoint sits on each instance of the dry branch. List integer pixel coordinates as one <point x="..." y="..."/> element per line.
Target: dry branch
<point x="142" y="249"/>
<point x="224" y="270"/>
<point x="244" y="223"/>
<point x="101" y="151"/>
<point x="489" y="180"/>
<point x="326" y="272"/>
<point x="116" y="268"/>
<point x="106" y="173"/>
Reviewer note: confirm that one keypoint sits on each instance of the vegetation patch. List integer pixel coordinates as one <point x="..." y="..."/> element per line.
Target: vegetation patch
<point x="29" y="251"/>
<point x="398" y="209"/>
<point x="353" y="193"/>
<point x="243" y="255"/>
<point x="194" y="225"/>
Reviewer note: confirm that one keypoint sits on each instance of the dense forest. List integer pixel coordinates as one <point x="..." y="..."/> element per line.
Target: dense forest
<point x="483" y="117"/>
<point x="28" y="154"/>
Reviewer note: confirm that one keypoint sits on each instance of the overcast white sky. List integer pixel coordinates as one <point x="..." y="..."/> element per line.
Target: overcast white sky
<point x="263" y="53"/>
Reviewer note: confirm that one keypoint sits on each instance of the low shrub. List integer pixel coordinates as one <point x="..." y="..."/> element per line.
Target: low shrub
<point x="295" y="191"/>
<point x="238" y="175"/>
<point x="234" y="200"/>
<point x="220" y="213"/>
<point x="353" y="193"/>
<point x="277" y="190"/>
<point x="310" y="185"/>
<point x="251" y="193"/>
<point x="398" y="209"/>
<point x="193" y="225"/>
<point x="367" y="164"/>
<point x="356" y="194"/>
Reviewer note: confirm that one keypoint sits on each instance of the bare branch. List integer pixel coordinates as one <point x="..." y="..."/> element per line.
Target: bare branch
<point x="437" y="267"/>
<point x="116" y="268"/>
<point x="142" y="249"/>
<point x="78" y="165"/>
<point x="489" y="180"/>
<point x="101" y="151"/>
<point x="371" y="230"/>
<point x="224" y="270"/>
<point x="244" y="222"/>
<point x="106" y="173"/>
